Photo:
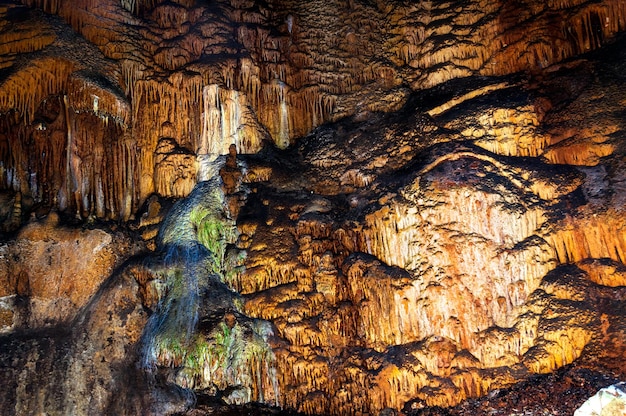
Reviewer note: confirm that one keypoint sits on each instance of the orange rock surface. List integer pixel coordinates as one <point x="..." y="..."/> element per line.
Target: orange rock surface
<point x="420" y="202"/>
<point x="207" y="76"/>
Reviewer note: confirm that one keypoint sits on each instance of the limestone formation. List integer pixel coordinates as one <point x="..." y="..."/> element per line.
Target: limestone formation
<point x="327" y="207"/>
<point x="207" y="76"/>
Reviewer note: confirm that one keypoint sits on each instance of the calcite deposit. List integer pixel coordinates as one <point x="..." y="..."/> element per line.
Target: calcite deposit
<point x="313" y="207"/>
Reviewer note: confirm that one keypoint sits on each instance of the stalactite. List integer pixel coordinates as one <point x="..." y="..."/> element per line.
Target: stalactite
<point x="226" y="120"/>
<point x="67" y="183"/>
<point x="86" y="95"/>
<point x="599" y="237"/>
<point x="456" y="260"/>
<point x="129" y="5"/>
<point x="175" y="169"/>
<point x="25" y="92"/>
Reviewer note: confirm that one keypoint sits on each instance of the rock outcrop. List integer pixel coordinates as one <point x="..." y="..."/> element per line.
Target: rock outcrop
<point x="442" y="276"/>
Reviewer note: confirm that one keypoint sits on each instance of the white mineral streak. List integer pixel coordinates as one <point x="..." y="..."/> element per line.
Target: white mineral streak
<point x="609" y="401"/>
<point x="226" y="119"/>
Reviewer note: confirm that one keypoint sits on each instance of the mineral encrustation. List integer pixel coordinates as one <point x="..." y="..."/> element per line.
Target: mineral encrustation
<point x="316" y="207"/>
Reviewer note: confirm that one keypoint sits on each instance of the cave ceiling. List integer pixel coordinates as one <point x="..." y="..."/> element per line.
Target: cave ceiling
<point x="160" y="79"/>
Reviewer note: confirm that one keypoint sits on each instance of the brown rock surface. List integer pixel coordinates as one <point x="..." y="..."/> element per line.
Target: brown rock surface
<point x="336" y="208"/>
<point x="97" y="100"/>
<point x="51" y="272"/>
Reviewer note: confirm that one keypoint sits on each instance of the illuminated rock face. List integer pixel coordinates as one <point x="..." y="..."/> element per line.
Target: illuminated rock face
<point x="54" y="272"/>
<point x="98" y="102"/>
<point x="463" y="288"/>
<point x="456" y="226"/>
<point x="444" y="275"/>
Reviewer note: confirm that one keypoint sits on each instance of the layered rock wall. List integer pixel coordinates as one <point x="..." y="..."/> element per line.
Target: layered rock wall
<point x="207" y="76"/>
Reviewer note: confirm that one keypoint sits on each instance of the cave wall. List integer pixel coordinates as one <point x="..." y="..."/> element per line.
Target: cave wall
<point x="428" y="200"/>
<point x="106" y="103"/>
